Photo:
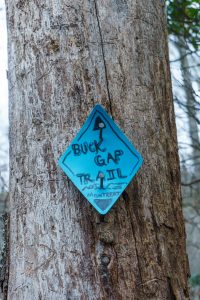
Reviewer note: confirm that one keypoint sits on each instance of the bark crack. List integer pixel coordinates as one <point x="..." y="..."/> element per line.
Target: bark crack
<point x="126" y="198"/>
<point x="151" y="280"/>
<point x="103" y="55"/>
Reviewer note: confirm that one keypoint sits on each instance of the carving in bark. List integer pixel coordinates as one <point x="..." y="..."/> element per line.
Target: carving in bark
<point x="64" y="57"/>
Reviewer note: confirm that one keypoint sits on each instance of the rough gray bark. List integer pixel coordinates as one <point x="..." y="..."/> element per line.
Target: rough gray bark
<point x="4" y="263"/>
<point x="64" y="57"/>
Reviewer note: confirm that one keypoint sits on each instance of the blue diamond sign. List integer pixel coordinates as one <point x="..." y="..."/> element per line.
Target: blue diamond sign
<point x="100" y="161"/>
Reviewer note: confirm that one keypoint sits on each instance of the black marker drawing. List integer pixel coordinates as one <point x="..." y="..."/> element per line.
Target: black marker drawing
<point x="100" y="160"/>
<point x="110" y="186"/>
<point x="99" y="125"/>
<point x="101" y="176"/>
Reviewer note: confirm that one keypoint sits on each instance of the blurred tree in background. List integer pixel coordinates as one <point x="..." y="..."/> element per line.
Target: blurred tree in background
<point x="183" y="24"/>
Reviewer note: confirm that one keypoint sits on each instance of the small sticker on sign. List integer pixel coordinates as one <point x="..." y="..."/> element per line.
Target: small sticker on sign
<point x="100" y="161"/>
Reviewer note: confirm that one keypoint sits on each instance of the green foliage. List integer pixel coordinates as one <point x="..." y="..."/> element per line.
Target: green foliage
<point x="183" y="18"/>
<point x="194" y="280"/>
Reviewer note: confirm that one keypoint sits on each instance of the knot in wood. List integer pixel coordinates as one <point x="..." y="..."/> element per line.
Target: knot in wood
<point x="106" y="237"/>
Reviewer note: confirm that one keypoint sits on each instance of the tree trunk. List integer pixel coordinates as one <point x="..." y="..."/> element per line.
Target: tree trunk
<point x="64" y="57"/>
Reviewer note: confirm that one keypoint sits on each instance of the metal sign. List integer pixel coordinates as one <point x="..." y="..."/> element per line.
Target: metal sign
<point x="100" y="161"/>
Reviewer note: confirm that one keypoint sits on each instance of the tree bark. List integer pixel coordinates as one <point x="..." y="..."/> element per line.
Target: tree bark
<point x="64" y="57"/>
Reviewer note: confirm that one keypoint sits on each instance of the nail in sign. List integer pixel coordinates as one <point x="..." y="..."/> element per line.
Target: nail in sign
<point x="100" y="161"/>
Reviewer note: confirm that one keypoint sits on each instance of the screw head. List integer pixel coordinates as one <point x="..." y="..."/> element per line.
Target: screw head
<point x="101" y="175"/>
<point x="105" y="260"/>
<point x="101" y="125"/>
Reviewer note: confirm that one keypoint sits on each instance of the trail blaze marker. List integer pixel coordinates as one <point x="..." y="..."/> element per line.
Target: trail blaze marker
<point x="100" y="161"/>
